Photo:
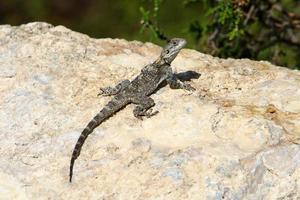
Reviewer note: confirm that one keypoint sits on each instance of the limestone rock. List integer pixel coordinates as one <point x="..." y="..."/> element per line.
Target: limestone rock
<point x="236" y="137"/>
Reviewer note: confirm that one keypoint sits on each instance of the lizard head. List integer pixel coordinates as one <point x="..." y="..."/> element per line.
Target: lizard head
<point x="171" y="50"/>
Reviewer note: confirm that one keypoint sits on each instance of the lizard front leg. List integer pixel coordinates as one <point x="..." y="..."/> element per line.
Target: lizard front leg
<point x="109" y="91"/>
<point x="144" y="106"/>
<point x="174" y="83"/>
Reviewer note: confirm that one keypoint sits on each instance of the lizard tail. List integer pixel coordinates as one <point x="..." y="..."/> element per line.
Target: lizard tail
<point x="112" y="107"/>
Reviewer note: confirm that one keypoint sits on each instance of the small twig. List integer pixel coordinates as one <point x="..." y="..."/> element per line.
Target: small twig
<point x="156" y="30"/>
<point x="249" y="14"/>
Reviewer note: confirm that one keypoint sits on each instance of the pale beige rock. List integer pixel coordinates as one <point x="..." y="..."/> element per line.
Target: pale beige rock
<point x="236" y="137"/>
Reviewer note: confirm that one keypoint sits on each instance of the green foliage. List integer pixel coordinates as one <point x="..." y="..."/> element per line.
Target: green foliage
<point x="237" y="28"/>
<point x="228" y="17"/>
<point x="150" y="20"/>
<point x="196" y="29"/>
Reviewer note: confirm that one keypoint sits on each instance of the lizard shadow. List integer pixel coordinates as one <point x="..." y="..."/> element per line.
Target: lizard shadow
<point x="182" y="76"/>
<point x="188" y="75"/>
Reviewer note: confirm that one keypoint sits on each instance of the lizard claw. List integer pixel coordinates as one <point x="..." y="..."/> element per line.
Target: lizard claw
<point x="188" y="87"/>
<point x="104" y="92"/>
<point x="147" y="114"/>
<point x="150" y="113"/>
<point x="100" y="93"/>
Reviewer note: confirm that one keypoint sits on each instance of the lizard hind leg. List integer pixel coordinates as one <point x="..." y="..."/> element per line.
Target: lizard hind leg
<point x="110" y="91"/>
<point x="144" y="107"/>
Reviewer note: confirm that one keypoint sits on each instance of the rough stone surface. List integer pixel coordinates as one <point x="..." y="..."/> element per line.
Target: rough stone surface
<point x="236" y="137"/>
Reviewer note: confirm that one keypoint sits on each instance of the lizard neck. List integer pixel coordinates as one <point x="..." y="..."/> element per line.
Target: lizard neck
<point x="160" y="62"/>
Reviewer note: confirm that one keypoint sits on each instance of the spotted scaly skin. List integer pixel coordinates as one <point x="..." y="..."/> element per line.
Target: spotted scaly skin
<point x="137" y="92"/>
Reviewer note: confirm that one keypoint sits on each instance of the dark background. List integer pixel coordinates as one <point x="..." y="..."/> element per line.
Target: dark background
<point x="97" y="18"/>
<point x="121" y="19"/>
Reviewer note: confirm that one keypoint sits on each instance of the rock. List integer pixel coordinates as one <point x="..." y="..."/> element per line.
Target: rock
<point x="236" y="137"/>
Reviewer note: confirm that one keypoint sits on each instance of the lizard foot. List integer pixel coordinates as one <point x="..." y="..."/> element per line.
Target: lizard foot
<point x="147" y="113"/>
<point x="151" y="113"/>
<point x="188" y="87"/>
<point x="107" y="91"/>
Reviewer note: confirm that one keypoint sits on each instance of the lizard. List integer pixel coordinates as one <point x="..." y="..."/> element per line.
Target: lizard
<point x="137" y="92"/>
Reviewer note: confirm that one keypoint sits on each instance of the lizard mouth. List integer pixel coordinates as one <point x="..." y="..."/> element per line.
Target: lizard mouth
<point x="183" y="43"/>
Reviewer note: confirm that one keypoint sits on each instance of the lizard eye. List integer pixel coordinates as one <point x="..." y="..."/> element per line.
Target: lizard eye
<point x="174" y="42"/>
